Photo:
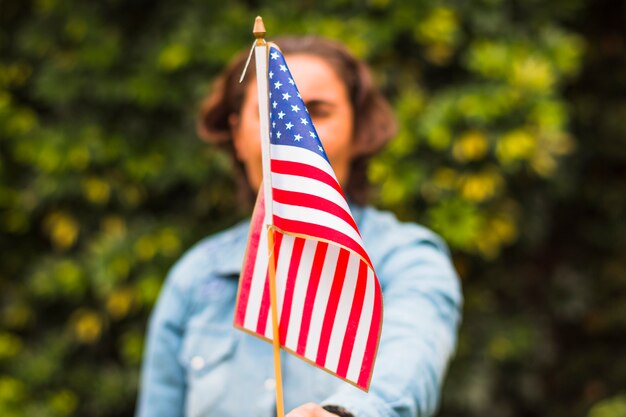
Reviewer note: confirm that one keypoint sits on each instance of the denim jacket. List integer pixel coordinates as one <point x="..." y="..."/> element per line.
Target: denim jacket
<point x="196" y="363"/>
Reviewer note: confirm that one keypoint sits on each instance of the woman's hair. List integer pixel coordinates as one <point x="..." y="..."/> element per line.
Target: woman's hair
<point x="374" y="123"/>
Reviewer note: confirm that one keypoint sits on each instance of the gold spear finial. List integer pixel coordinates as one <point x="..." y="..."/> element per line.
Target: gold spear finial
<point x="259" y="29"/>
<point x="259" y="34"/>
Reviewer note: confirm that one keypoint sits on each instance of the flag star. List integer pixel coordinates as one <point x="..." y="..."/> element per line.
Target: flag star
<point x="304" y="121"/>
<point x="320" y="148"/>
<point x="274" y="55"/>
<point x="274" y="104"/>
<point x="289" y="125"/>
<point x="299" y="95"/>
<point x="274" y="125"/>
<point x="295" y="108"/>
<point x="277" y="85"/>
<point x="297" y="138"/>
<point x="270" y="94"/>
<point x="281" y="115"/>
<point x="278" y="134"/>
<point x="311" y="134"/>
<point x="283" y="68"/>
<point x="291" y="81"/>
<point x="271" y="74"/>
<point x="286" y="96"/>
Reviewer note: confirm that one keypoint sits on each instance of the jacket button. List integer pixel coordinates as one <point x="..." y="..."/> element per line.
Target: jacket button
<point x="270" y="384"/>
<point x="197" y="363"/>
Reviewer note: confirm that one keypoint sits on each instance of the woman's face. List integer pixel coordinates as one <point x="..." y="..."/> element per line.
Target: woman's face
<point x="326" y="98"/>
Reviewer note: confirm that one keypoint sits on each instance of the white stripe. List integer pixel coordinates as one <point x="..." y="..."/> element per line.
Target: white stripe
<point x="323" y="218"/>
<point x="362" y="334"/>
<point x="299" y="294"/>
<point x="257" y="284"/>
<point x="282" y="270"/>
<point x="297" y="154"/>
<point x="321" y="301"/>
<point x="343" y="313"/>
<point x="311" y="186"/>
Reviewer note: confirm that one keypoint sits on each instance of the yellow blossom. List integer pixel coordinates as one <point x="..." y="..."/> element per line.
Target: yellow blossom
<point x="145" y="248"/>
<point x="169" y="242"/>
<point x="10" y="345"/>
<point x="532" y="73"/>
<point x="543" y="164"/>
<point x="96" y="190"/>
<point x="481" y="186"/>
<point x="62" y="228"/>
<point x="63" y="402"/>
<point x="87" y="326"/>
<point x="173" y="57"/>
<point x="515" y="145"/>
<point x="440" y="26"/>
<point x="114" y="226"/>
<point x="470" y="146"/>
<point x="119" y="303"/>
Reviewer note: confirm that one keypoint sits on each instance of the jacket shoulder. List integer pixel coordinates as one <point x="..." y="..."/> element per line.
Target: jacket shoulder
<point x="205" y="257"/>
<point x="384" y="229"/>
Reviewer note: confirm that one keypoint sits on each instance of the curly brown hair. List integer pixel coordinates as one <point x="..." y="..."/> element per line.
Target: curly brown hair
<point x="374" y="123"/>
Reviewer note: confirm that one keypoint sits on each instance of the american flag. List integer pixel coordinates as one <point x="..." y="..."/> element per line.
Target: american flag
<point x="328" y="297"/>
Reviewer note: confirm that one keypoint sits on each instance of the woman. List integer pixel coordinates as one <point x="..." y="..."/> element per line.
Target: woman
<point x="197" y="364"/>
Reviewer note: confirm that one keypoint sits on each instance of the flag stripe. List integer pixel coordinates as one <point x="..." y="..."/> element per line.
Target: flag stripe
<point x="362" y="333"/>
<point x="296" y="154"/>
<point x="331" y="307"/>
<point x="342" y="315"/>
<point x="321" y="300"/>
<point x="322" y="232"/>
<point x="264" y="311"/>
<point x="302" y="282"/>
<point x="297" y="183"/>
<point x="372" y="339"/>
<point x="355" y="313"/>
<point x="296" y="256"/>
<point x="257" y="282"/>
<point x="282" y="270"/>
<point x="315" y="202"/>
<point x="305" y="170"/>
<point x="316" y="273"/>
<point x="250" y="261"/>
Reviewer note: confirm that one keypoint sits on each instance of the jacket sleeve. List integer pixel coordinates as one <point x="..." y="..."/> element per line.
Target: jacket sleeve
<point x="421" y="307"/>
<point x="163" y="380"/>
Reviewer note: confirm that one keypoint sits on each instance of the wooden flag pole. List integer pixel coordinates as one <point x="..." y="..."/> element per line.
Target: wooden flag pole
<point x="261" y="56"/>
<point x="280" y="408"/>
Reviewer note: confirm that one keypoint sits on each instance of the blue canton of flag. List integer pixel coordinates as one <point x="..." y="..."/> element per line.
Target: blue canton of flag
<point x="290" y="123"/>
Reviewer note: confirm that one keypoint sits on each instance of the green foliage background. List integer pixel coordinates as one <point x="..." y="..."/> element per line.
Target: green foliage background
<point x="512" y="146"/>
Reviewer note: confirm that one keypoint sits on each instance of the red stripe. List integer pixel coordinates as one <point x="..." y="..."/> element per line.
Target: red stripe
<point x="250" y="259"/>
<point x="311" y="291"/>
<point x="331" y="306"/>
<point x="305" y="170"/>
<point x="294" y="265"/>
<point x="372" y="339"/>
<point x="321" y="232"/>
<point x="353" y="321"/>
<point x="264" y="308"/>
<point x="315" y="202"/>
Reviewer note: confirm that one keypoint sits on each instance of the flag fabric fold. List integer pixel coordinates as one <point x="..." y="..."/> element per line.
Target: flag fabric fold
<point x="328" y="297"/>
